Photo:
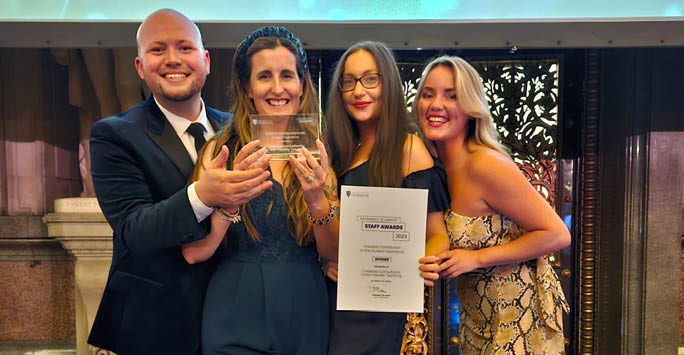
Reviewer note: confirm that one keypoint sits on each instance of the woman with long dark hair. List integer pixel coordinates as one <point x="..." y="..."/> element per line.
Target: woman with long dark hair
<point x="371" y="145"/>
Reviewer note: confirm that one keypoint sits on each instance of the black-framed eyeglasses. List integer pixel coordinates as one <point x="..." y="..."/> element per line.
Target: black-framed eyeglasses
<point x="368" y="81"/>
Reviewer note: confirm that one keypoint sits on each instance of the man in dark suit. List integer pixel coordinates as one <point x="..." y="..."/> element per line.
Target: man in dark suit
<point x="141" y="161"/>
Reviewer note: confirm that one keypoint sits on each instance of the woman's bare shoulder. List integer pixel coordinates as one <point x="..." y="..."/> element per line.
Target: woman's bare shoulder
<point x="491" y="167"/>
<point x="416" y="155"/>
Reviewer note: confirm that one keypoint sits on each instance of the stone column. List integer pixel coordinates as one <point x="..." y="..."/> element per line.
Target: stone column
<point x="664" y="230"/>
<point x="79" y="225"/>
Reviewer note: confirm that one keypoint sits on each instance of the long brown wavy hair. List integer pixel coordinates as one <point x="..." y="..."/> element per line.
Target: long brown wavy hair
<point x="237" y="134"/>
<point x="385" y="161"/>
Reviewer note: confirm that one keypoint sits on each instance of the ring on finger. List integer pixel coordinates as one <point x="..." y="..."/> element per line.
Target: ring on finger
<point x="310" y="178"/>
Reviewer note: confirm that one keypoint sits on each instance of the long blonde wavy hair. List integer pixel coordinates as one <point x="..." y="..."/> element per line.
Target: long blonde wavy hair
<point x="471" y="99"/>
<point x="237" y="134"/>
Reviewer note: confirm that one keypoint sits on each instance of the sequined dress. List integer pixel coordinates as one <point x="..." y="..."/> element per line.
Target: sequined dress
<point x="505" y="309"/>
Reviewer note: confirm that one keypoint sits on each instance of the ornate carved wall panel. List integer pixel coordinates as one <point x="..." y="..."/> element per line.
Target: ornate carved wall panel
<point x="523" y="98"/>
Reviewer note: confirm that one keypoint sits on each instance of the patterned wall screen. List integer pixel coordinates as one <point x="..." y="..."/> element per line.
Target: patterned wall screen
<point x="523" y="98"/>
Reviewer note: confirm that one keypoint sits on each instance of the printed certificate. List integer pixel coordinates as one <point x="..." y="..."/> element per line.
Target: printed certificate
<point x="382" y="236"/>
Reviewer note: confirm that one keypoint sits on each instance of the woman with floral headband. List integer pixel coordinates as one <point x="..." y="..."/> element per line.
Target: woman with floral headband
<point x="268" y="294"/>
<point x="371" y="145"/>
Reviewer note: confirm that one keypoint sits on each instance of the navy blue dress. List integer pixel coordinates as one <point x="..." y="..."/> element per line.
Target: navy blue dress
<point x="373" y="333"/>
<point x="268" y="297"/>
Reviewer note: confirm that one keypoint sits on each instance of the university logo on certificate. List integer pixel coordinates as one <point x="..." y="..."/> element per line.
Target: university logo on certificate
<point x="382" y="237"/>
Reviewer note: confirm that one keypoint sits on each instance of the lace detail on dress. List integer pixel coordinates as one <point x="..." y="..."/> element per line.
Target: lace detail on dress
<point x="277" y="244"/>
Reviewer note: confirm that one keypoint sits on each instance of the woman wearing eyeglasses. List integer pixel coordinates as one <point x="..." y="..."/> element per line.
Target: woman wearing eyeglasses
<point x="371" y="145"/>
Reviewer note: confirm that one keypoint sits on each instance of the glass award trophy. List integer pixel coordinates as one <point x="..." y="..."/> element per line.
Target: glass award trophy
<point x="283" y="135"/>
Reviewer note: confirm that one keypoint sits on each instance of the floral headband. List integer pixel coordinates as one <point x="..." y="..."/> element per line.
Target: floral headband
<point x="269" y="31"/>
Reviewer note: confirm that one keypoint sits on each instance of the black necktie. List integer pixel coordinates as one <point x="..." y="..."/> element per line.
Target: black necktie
<point x="197" y="131"/>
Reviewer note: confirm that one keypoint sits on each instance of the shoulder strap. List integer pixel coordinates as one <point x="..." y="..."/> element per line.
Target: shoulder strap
<point x="408" y="168"/>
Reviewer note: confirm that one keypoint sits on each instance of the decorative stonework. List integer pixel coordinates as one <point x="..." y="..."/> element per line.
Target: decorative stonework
<point x="82" y="229"/>
<point x="77" y="205"/>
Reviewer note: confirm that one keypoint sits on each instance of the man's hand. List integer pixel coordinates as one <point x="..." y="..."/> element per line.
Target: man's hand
<point x="232" y="188"/>
<point x="247" y="158"/>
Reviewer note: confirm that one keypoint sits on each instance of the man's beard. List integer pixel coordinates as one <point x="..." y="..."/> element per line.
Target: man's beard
<point x="180" y="95"/>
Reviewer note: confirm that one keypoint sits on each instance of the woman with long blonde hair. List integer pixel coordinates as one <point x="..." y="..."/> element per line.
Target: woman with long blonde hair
<point x="500" y="227"/>
<point x="268" y="295"/>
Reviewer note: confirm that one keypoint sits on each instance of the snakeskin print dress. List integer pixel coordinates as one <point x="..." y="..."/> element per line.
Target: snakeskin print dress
<point x="505" y="309"/>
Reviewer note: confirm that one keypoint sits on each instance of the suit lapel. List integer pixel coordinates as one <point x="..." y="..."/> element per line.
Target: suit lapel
<point x="216" y="120"/>
<point x="161" y="132"/>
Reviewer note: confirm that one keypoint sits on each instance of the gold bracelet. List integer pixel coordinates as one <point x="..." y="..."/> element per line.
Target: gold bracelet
<point x="325" y="219"/>
<point x="227" y="216"/>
